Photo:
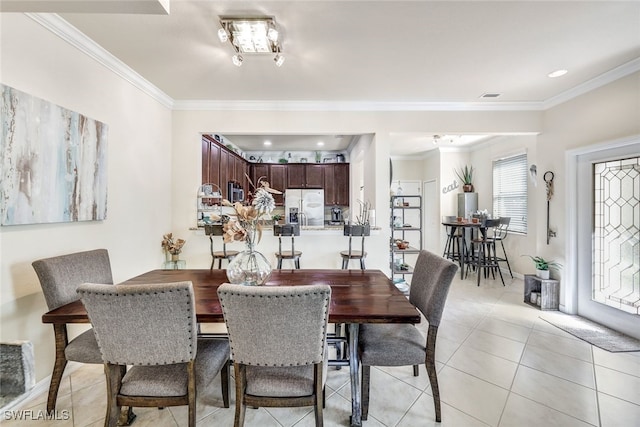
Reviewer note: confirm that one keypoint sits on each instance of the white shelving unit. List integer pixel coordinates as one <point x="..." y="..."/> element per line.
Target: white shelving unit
<point x="208" y="201"/>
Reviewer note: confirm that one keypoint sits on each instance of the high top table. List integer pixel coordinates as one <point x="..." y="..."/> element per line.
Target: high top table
<point x="357" y="296"/>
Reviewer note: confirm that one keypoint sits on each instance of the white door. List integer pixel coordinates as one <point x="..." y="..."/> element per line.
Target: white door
<point x="605" y="232"/>
<point x="432" y="227"/>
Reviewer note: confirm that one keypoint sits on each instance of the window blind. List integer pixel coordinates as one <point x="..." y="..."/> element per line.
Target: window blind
<point x="510" y="191"/>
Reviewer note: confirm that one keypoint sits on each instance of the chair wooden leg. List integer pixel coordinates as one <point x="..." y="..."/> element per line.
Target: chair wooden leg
<point x="416" y="371"/>
<point x="430" y="363"/>
<point x="366" y="380"/>
<point x="114" y="374"/>
<point x="297" y="262"/>
<point x="319" y="393"/>
<point x="345" y="263"/>
<point x="241" y="407"/>
<point x="61" y="341"/>
<point x="192" y="393"/>
<point x="362" y="267"/>
<point x="224" y="380"/>
<point x="279" y="263"/>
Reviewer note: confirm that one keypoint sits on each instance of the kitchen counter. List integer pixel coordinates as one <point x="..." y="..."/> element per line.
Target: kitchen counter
<point x="320" y="246"/>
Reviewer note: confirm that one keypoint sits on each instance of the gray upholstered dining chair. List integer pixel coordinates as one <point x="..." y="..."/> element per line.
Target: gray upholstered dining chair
<point x="403" y="344"/>
<point x="152" y="328"/>
<point x="278" y="337"/>
<point x="59" y="277"/>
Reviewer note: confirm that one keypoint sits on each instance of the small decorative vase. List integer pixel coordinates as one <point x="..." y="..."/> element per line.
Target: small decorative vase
<point x="175" y="257"/>
<point x="249" y="267"/>
<point x="467" y="188"/>
<point x="543" y="274"/>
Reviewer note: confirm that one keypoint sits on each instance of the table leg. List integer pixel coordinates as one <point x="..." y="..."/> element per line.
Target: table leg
<point x="354" y="367"/>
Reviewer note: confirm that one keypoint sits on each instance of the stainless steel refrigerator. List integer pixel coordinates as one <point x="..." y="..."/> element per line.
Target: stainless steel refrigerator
<point x="467" y="204"/>
<point x="304" y="207"/>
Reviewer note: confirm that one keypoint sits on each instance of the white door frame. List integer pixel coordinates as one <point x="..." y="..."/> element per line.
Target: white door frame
<point x="436" y="237"/>
<point x="570" y="276"/>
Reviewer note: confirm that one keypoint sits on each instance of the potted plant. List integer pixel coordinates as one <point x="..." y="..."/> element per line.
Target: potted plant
<point x="543" y="266"/>
<point x="466" y="176"/>
<point x="276" y="218"/>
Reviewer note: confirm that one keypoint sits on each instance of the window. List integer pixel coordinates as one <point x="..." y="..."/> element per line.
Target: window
<point x="510" y="191"/>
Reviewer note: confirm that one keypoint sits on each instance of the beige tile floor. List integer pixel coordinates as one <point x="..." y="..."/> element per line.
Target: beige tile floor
<point x="499" y="364"/>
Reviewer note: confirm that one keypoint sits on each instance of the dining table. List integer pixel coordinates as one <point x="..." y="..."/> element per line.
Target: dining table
<point x="357" y="296"/>
<point x="464" y="224"/>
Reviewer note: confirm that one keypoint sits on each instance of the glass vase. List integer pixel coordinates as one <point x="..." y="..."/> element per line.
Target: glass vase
<point x="249" y="267"/>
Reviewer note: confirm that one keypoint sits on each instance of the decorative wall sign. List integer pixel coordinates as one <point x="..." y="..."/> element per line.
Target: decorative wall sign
<point x="450" y="187"/>
<point x="53" y="162"/>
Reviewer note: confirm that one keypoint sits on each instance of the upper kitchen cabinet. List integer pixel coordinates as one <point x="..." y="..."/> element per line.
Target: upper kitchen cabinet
<point x="278" y="181"/>
<point x="305" y="176"/>
<point x="275" y="175"/>
<point x="220" y="166"/>
<point x="336" y="184"/>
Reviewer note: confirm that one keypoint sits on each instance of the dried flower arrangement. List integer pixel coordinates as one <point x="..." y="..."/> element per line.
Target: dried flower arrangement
<point x="174" y="247"/>
<point x="259" y="202"/>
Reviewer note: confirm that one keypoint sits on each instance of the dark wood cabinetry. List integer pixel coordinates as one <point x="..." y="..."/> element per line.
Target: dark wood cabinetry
<point x="336" y="184"/>
<point x="278" y="180"/>
<point x="275" y="175"/>
<point x="305" y="176"/>
<point x="219" y="166"/>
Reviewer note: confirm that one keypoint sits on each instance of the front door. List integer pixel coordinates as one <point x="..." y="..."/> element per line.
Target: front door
<point x="608" y="237"/>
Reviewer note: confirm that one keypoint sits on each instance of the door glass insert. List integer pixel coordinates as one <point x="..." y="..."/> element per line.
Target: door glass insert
<point x="616" y="234"/>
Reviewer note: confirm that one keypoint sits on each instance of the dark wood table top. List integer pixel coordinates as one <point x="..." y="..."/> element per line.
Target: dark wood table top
<point x="357" y="296"/>
<point x="463" y="223"/>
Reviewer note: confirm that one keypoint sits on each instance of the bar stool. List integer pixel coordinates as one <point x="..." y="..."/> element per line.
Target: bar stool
<point x="483" y="252"/>
<point x="287" y="230"/>
<point x="499" y="234"/>
<point x="358" y="231"/>
<point x="453" y="245"/>
<point x="217" y="230"/>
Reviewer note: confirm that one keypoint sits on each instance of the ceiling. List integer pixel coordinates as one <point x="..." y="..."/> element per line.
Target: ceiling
<point x="367" y="52"/>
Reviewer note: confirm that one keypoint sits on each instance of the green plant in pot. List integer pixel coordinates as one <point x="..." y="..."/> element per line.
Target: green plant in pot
<point x="543" y="266"/>
<point x="276" y="218"/>
<point x="465" y="175"/>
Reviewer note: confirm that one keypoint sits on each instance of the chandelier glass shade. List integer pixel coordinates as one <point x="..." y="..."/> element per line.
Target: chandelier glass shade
<point x="251" y="36"/>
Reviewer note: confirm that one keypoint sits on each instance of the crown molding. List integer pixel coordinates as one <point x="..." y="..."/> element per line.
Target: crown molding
<point x="79" y="40"/>
<point x="603" y="79"/>
<point x="73" y="36"/>
<point x="231" y="105"/>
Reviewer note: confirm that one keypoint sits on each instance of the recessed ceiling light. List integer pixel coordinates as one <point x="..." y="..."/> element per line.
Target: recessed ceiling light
<point x="267" y="143"/>
<point x="320" y="144"/>
<point x="557" y="73"/>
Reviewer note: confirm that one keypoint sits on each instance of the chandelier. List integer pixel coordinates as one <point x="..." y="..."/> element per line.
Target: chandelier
<point x="251" y="36"/>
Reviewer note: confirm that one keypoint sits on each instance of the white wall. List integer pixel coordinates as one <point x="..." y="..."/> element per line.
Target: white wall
<point x="604" y="114"/>
<point x="139" y="177"/>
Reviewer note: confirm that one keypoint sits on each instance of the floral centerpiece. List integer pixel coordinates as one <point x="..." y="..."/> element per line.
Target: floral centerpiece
<point x="172" y="246"/>
<point x="249" y="267"/>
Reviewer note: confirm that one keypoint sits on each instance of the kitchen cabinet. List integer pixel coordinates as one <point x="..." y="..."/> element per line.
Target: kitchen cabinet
<point x="302" y="175"/>
<point x="275" y="175"/>
<point x="225" y="174"/>
<point x="278" y="181"/>
<point x="314" y="176"/>
<point x="295" y="176"/>
<point x="336" y="184"/>
<point x="219" y="166"/>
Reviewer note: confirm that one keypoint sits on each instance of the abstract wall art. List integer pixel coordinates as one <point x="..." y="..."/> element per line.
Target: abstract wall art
<point x="53" y="162"/>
